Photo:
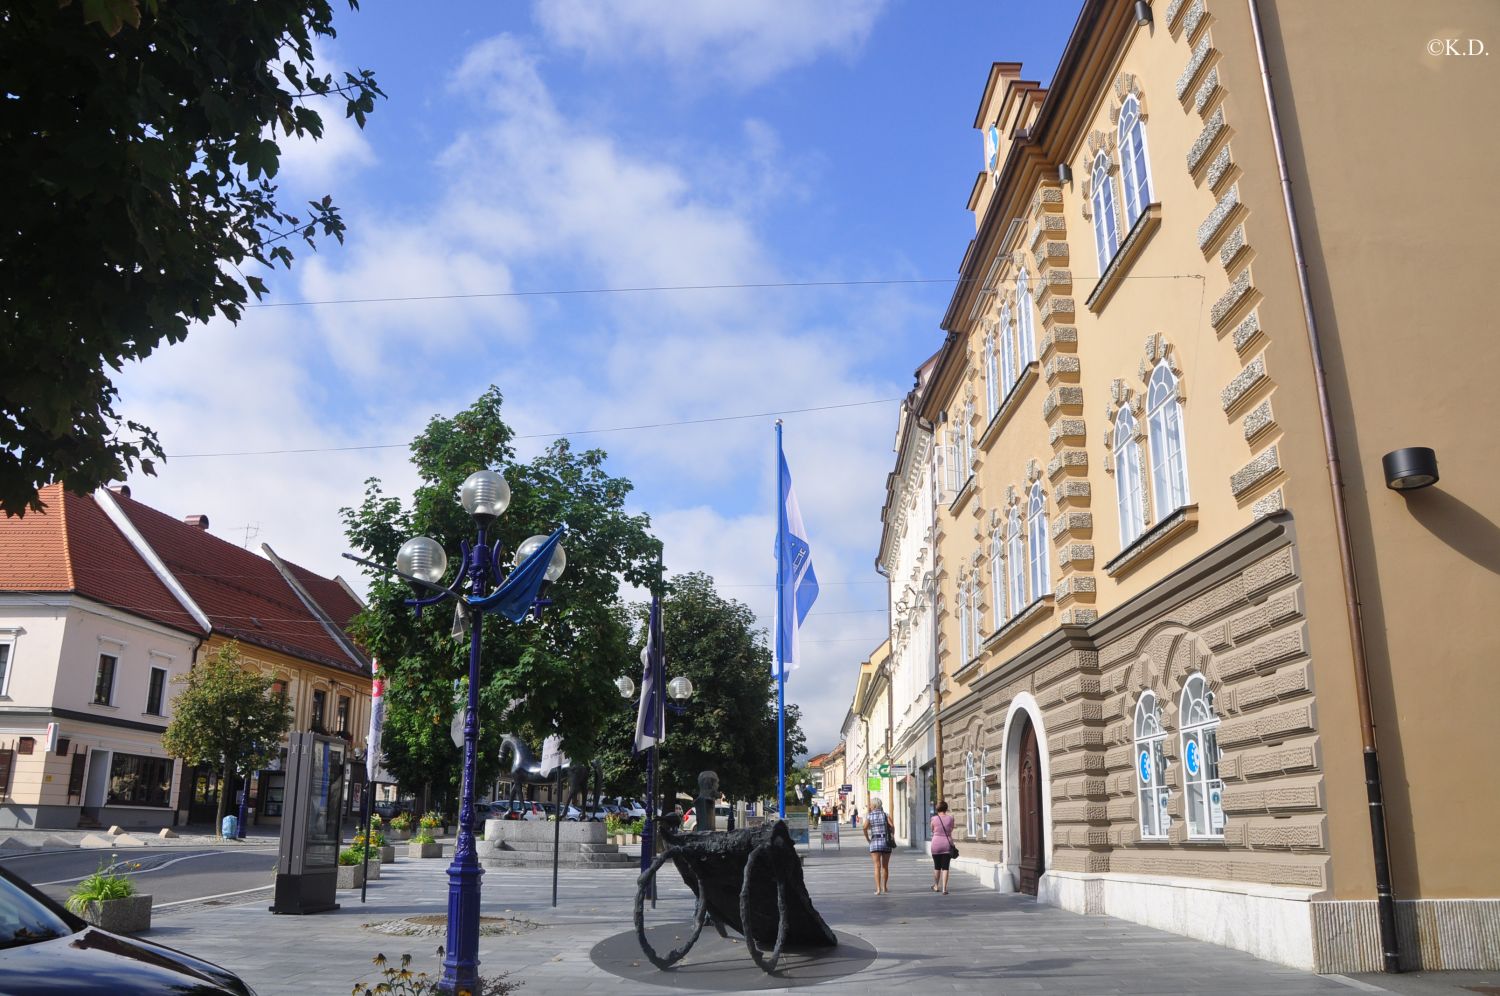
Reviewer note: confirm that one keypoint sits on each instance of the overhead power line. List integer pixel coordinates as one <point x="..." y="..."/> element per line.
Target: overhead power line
<point x="546" y="435"/>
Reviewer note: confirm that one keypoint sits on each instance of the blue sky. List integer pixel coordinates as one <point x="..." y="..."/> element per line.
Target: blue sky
<point x="568" y="145"/>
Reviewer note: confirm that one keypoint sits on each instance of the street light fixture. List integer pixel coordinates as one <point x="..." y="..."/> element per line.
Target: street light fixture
<point x="485" y="495"/>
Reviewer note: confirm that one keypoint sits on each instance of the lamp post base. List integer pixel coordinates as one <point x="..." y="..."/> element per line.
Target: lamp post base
<point x="461" y="956"/>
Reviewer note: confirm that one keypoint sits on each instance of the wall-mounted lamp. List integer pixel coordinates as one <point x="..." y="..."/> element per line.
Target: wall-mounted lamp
<point x="1142" y="13"/>
<point x="1064" y="173"/>
<point x="1410" y="468"/>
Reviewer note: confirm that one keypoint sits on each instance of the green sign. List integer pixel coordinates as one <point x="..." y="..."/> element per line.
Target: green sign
<point x="884" y="771"/>
<point x="873" y="783"/>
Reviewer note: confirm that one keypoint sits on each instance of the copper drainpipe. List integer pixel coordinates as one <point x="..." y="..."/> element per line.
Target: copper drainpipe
<point x="1384" y="899"/>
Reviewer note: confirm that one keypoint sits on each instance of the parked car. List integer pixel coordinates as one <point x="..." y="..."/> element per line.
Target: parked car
<point x="526" y="811"/>
<point x="47" y="951"/>
<point x="387" y="810"/>
<point x="632" y="808"/>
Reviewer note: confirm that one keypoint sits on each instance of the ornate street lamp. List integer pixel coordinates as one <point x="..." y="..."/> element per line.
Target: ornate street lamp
<point x="485" y="495"/>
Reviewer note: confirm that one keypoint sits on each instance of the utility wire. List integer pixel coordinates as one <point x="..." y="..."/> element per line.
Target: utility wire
<point x="546" y="435"/>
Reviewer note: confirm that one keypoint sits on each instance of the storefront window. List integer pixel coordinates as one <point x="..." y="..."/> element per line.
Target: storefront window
<point x="139" y="781"/>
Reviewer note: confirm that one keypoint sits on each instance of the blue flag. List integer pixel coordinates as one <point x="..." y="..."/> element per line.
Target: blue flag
<point x="798" y="583"/>
<point x="648" y="716"/>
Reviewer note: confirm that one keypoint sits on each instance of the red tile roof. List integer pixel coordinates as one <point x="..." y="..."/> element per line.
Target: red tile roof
<point x="73" y="547"/>
<point x="243" y="594"/>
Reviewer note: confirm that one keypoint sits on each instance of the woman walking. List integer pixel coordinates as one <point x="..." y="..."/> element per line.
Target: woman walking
<point x="878" y="833"/>
<point x="942" y="847"/>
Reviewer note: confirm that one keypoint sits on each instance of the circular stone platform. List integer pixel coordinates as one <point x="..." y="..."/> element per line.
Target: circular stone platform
<point x="436" y="924"/>
<point x="722" y="964"/>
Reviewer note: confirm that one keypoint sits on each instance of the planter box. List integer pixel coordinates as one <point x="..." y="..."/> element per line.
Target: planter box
<point x="415" y="850"/>
<point x="351" y="876"/>
<point x="392" y="834"/>
<point x="130" y="915"/>
<point x="388" y="854"/>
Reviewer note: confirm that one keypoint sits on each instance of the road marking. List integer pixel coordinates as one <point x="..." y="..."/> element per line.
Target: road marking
<point x="204" y="899"/>
<point x="133" y="871"/>
<point x="1344" y="980"/>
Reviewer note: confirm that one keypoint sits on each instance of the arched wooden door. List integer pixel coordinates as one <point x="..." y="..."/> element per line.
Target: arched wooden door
<point x="1029" y="786"/>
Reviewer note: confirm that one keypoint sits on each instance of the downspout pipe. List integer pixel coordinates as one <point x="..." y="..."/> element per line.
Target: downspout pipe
<point x="1384" y="899"/>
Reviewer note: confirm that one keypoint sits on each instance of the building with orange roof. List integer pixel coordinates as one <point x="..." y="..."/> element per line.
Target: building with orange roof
<point x="104" y="602"/>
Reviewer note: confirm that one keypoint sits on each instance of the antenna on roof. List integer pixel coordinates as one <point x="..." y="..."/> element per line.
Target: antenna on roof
<point x="251" y="530"/>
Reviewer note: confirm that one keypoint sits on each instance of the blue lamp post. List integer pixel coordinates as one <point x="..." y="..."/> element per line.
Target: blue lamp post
<point x="485" y="496"/>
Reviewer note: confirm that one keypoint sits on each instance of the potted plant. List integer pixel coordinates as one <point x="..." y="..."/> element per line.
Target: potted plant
<point x="422" y="845"/>
<point x="432" y="821"/>
<point x="400" y="826"/>
<point x="108" y="900"/>
<point x="351" y="868"/>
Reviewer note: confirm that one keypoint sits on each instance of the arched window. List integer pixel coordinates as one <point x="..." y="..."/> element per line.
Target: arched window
<point x="1036" y="527"/>
<point x="1106" y="230"/>
<point x="984" y="805"/>
<point x="1016" y="558"/>
<point x="1169" y="484"/>
<point x="971" y="794"/>
<point x="1007" y="350"/>
<point x="1151" y="768"/>
<point x="991" y="375"/>
<point x="1128" y="477"/>
<point x="1025" y="322"/>
<point x="1200" y="759"/>
<point x="1136" y="173"/>
<point x="997" y="576"/>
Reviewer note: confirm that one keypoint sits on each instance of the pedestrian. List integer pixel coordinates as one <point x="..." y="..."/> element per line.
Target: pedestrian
<point x="854" y="816"/>
<point x="878" y="833"/>
<point x="942" y="847"/>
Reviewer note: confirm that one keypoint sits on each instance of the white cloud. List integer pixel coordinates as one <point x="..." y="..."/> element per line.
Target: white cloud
<point x="742" y="42"/>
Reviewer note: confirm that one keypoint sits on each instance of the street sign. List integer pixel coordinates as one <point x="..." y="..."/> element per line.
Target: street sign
<point x="846" y="788"/>
<point x="899" y="770"/>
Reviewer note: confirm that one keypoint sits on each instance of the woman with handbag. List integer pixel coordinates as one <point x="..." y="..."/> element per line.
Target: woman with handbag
<point x="878" y="833"/>
<point x="943" y="848"/>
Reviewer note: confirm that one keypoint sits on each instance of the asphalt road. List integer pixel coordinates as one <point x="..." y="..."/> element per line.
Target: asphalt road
<point x="169" y="876"/>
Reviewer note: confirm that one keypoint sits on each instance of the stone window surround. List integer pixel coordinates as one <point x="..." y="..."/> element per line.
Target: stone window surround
<point x="1037" y="609"/>
<point x="1154" y="540"/>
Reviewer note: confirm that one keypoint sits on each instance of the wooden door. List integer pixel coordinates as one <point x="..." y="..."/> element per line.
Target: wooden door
<point x="1029" y="784"/>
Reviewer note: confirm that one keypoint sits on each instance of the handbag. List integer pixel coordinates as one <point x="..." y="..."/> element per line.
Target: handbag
<point x="952" y="849"/>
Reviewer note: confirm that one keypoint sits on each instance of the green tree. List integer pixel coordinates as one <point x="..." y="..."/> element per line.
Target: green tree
<point x="226" y="717"/>
<point x="729" y="725"/>
<point x="555" y="675"/>
<point x="140" y="145"/>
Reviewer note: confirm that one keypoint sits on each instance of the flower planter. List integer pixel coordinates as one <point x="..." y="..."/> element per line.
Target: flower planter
<point x="351" y="876"/>
<point x="372" y="870"/>
<point x="397" y="835"/>
<point x="388" y="854"/>
<point x="130" y="915"/>
<point x="415" y="850"/>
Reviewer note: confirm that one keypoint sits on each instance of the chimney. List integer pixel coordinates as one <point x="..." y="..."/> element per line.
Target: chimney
<point x="123" y="490"/>
<point x="197" y="521"/>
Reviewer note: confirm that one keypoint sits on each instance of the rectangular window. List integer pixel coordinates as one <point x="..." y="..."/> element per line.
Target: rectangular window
<point x="139" y="781"/>
<point x="7" y="762"/>
<point x="155" y="691"/>
<point x="343" y="714"/>
<point x="319" y="709"/>
<point x="104" y="680"/>
<point x="5" y="652"/>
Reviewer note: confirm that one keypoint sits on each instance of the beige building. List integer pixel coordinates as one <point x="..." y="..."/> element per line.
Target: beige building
<point x="1180" y="609"/>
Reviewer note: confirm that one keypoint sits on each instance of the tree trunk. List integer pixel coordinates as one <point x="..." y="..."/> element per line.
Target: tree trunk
<point x="223" y="797"/>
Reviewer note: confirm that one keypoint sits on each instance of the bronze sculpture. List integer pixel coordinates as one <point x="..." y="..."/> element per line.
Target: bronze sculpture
<point x="526" y="770"/>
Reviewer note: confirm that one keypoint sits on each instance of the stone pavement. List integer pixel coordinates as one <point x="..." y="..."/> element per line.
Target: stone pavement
<point x="912" y="940"/>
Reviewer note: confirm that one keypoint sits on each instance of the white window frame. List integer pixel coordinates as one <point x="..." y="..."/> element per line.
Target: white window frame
<point x="965" y="648"/>
<point x="161" y="707"/>
<point x="984" y="805"/>
<point x="1008" y="369"/>
<point x="1025" y="320"/>
<point x="8" y="664"/>
<point x="1130" y="495"/>
<point x="1016" y="556"/>
<point x="1135" y="169"/>
<point x="1168" y="442"/>
<point x="966" y="470"/>
<point x="974" y="612"/>
<point x="114" y="679"/>
<point x="1151" y="761"/>
<point x="971" y="785"/>
<point x="1106" y="226"/>
<point x="991" y="375"/>
<point x="997" y="575"/>
<point x="1200" y="751"/>
<point x="1040" y="574"/>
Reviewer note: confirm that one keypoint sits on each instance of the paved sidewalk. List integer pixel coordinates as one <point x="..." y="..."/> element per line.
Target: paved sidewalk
<point x="972" y="941"/>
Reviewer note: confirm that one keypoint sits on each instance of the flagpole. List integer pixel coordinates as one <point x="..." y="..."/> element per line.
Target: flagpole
<point x="780" y="636"/>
